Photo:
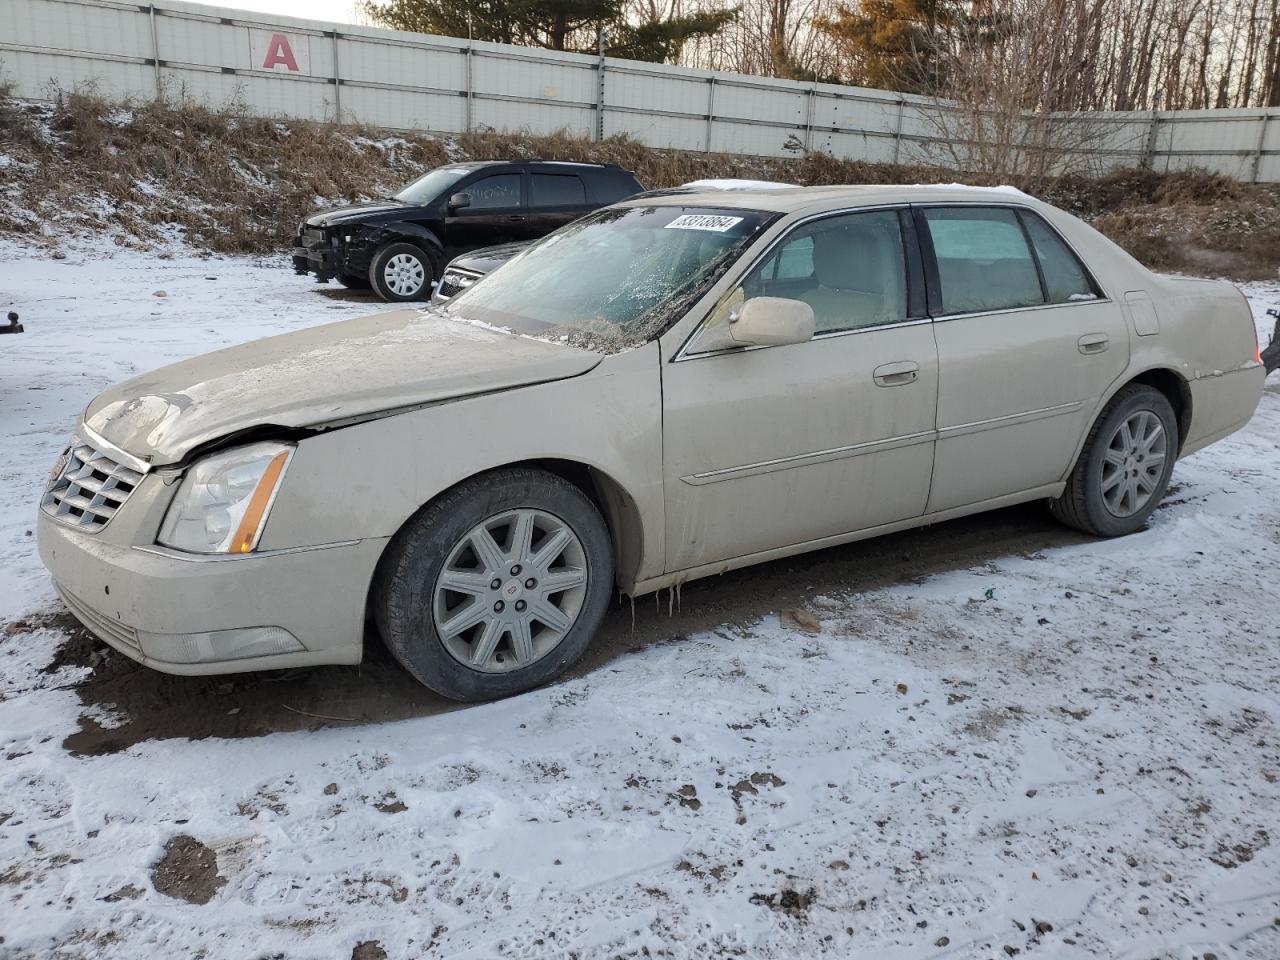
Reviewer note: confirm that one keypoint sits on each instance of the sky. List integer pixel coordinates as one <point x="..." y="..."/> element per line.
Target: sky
<point x="337" y="11"/>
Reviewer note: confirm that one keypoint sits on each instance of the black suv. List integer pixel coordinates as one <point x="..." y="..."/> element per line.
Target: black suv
<point x="400" y="246"/>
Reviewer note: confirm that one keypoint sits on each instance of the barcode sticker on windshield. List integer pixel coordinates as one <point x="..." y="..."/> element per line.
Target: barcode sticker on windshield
<point x="703" y="221"/>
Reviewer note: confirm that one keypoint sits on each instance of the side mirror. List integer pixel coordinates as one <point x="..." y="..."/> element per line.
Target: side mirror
<point x="771" y="322"/>
<point x="459" y="200"/>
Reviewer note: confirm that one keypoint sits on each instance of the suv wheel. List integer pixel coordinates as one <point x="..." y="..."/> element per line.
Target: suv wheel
<point x="402" y="271"/>
<point x="496" y="587"/>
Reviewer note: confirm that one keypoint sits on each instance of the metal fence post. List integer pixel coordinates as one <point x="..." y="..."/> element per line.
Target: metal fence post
<point x="155" y="48"/>
<point x="337" y="80"/>
<point x="808" y="118"/>
<point x="1149" y="150"/>
<point x="598" y="133"/>
<point x="471" y="87"/>
<point x="897" y="133"/>
<point x="1256" y="166"/>
<point x="711" y="112"/>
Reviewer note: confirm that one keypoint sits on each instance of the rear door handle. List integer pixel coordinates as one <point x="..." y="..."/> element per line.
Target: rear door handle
<point x="516" y="219"/>
<point x="896" y="374"/>
<point x="1093" y="343"/>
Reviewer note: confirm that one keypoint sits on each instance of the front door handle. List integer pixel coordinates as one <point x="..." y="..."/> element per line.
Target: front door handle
<point x="516" y="219"/>
<point x="896" y="374"/>
<point x="1093" y="343"/>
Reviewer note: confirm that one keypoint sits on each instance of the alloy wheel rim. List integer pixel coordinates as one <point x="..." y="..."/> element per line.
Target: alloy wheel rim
<point x="510" y="590"/>
<point x="1133" y="463"/>
<point x="404" y="275"/>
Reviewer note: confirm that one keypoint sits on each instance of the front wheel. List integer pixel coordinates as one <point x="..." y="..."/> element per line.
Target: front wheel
<point x="402" y="272"/>
<point x="497" y="587"/>
<point x="1124" y="468"/>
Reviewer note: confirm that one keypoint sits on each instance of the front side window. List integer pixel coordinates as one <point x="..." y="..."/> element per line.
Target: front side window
<point x="1065" y="279"/>
<point x="850" y="268"/>
<point x="614" y="278"/>
<point x="556" y="190"/>
<point x="501" y="190"/>
<point x="984" y="262"/>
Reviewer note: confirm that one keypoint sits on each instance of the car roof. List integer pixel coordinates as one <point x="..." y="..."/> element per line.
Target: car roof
<point x="817" y="199"/>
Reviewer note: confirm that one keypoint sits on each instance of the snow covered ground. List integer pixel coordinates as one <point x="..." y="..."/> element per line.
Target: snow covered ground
<point x="1065" y="751"/>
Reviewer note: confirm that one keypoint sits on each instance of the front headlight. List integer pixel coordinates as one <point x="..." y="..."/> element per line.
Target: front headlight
<point x="224" y="500"/>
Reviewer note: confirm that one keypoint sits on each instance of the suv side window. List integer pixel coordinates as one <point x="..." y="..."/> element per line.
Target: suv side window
<point x="850" y="268"/>
<point x="612" y="186"/>
<point x="556" y="190"/>
<point x="499" y="191"/>
<point x="1065" y="279"/>
<point x="984" y="262"/>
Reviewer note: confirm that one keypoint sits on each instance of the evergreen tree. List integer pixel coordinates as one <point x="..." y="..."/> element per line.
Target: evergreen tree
<point x="554" y="24"/>
<point x="898" y="44"/>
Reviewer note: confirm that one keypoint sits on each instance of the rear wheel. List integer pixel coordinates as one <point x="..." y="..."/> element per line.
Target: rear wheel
<point x="404" y="272"/>
<point x="496" y="587"/>
<point x="1124" y="468"/>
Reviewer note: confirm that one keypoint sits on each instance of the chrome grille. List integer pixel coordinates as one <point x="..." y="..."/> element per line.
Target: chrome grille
<point x="455" y="281"/>
<point x="88" y="488"/>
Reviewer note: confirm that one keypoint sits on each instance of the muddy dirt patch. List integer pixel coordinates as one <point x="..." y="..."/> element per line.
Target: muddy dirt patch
<point x="187" y="871"/>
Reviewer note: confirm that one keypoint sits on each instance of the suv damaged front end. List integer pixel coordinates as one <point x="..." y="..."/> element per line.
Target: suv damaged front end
<point x="341" y="250"/>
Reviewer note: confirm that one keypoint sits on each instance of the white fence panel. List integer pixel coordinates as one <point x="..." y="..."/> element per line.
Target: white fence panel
<point x="282" y="66"/>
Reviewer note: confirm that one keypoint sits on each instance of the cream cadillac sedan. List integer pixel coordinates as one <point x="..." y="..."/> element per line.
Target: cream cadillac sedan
<point x="665" y="389"/>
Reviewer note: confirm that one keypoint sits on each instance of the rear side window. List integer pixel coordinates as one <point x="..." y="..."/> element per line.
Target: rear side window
<point x="984" y="262"/>
<point x="502" y="190"/>
<point x="1065" y="279"/>
<point x="556" y="190"/>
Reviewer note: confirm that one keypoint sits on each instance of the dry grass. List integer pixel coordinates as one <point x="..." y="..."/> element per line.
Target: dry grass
<point x="222" y="180"/>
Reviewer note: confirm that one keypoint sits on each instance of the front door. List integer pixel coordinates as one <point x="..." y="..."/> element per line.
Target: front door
<point x="496" y="214"/>
<point x="776" y="446"/>
<point x="1027" y="345"/>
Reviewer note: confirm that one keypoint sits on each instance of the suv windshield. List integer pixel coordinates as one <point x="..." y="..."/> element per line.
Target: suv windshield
<point x="616" y="277"/>
<point x="428" y="187"/>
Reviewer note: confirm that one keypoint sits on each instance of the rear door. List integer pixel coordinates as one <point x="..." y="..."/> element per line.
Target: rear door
<point x="554" y="200"/>
<point x="1027" y="345"/>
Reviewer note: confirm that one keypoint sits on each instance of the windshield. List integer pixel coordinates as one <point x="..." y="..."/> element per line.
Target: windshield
<point x="616" y="277"/>
<point x="432" y="185"/>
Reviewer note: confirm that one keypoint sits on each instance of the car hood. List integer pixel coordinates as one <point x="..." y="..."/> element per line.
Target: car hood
<point x="488" y="259"/>
<point x="377" y="212"/>
<point x="370" y="366"/>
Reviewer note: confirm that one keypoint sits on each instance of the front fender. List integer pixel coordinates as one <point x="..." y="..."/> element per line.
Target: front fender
<point x="408" y="229"/>
<point x="366" y="480"/>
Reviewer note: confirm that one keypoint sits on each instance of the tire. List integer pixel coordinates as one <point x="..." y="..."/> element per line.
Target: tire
<point x="352" y="282"/>
<point x="395" y="268"/>
<point x="1115" y="486"/>
<point x="418" y="614"/>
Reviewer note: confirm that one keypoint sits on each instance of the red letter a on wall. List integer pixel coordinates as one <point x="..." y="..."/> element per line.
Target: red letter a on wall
<point x="279" y="51"/>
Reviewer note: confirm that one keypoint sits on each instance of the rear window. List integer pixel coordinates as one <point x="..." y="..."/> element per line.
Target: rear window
<point x="1065" y="279"/>
<point x="556" y="190"/>
<point x="984" y="262"/>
